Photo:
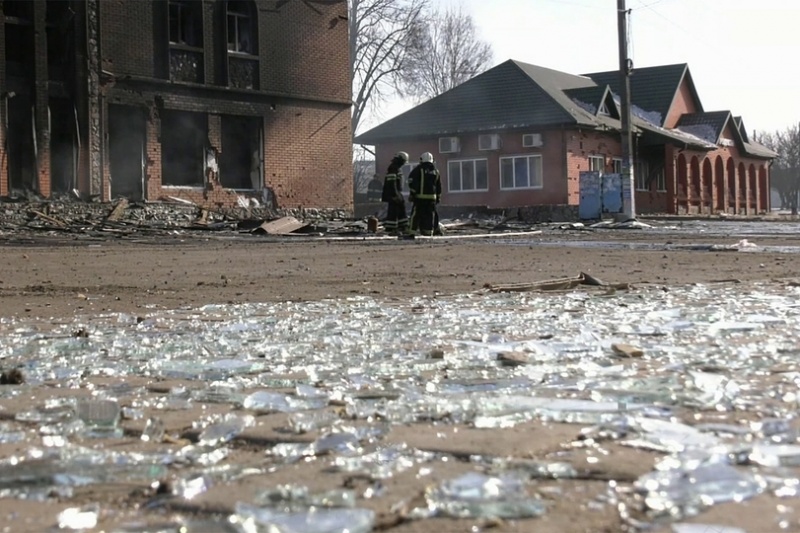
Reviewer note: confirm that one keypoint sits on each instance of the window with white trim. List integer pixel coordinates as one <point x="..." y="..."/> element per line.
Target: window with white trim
<point x="641" y="176"/>
<point x="661" y="180"/>
<point x="521" y="172"/>
<point x="597" y="163"/>
<point x="616" y="163"/>
<point x="468" y="175"/>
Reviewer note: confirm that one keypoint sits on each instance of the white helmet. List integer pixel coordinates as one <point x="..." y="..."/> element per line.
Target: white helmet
<point x="403" y="156"/>
<point x="427" y="157"/>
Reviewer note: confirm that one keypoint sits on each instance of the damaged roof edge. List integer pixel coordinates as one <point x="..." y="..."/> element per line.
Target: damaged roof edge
<point x="245" y="93"/>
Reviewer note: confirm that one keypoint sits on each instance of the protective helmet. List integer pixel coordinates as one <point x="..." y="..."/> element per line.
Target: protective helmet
<point x="427" y="157"/>
<point x="402" y="155"/>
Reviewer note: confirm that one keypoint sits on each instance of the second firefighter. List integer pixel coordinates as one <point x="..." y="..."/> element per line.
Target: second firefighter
<point x="425" y="191"/>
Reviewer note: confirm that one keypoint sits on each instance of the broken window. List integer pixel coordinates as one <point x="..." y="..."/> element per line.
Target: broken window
<point x="21" y="145"/>
<point x="19" y="44"/>
<point x="240" y="160"/>
<point x="186" y="41"/>
<point x="183" y="142"/>
<point x="242" y="30"/>
<point x="126" y="151"/>
<point x="63" y="145"/>
<point x="60" y="50"/>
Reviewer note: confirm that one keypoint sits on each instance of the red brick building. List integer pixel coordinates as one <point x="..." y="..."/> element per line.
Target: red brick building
<point x="519" y="135"/>
<point x="205" y="100"/>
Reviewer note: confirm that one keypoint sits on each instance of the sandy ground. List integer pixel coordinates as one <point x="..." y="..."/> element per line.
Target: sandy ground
<point x="60" y="277"/>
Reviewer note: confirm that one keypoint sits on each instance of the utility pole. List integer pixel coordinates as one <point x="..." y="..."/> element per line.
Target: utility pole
<point x="625" y="68"/>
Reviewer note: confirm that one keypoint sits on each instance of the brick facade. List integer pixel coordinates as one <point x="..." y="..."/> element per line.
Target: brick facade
<point x="722" y="180"/>
<point x="288" y="74"/>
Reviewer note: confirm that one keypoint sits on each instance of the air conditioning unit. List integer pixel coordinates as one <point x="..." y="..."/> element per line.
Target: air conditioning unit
<point x="448" y="145"/>
<point x="489" y="142"/>
<point x="532" y="140"/>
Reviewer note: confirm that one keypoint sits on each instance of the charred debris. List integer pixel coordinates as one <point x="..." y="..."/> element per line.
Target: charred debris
<point x="124" y="219"/>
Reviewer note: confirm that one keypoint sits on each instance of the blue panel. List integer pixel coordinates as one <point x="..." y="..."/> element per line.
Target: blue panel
<point x="591" y="201"/>
<point x="612" y="193"/>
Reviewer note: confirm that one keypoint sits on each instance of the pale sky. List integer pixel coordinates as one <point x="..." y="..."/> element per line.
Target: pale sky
<point x="744" y="55"/>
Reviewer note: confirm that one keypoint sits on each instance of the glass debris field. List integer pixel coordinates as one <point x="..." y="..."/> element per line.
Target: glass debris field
<point x="650" y="409"/>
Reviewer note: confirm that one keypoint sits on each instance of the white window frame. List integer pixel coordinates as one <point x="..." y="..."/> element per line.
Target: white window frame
<point x="661" y="181"/>
<point x="461" y="163"/>
<point x="640" y="177"/>
<point x="593" y="159"/>
<point x="616" y="165"/>
<point x="603" y="109"/>
<point x="529" y="157"/>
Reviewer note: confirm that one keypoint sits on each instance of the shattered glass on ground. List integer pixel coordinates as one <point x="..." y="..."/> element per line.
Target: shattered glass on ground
<point x="357" y="414"/>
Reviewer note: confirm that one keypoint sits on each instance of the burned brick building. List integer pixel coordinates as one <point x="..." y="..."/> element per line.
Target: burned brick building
<point x="206" y="100"/>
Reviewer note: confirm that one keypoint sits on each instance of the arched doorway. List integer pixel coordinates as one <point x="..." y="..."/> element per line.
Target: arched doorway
<point x="682" y="189"/>
<point x="741" y="205"/>
<point x="752" y="190"/>
<point x="719" y="185"/>
<point x="696" y="188"/>
<point x="730" y="192"/>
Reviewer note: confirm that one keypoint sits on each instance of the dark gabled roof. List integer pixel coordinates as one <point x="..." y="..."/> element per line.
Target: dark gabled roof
<point x="510" y="95"/>
<point x="652" y="88"/>
<point x="740" y="126"/>
<point x="708" y="126"/>
<point x="592" y="98"/>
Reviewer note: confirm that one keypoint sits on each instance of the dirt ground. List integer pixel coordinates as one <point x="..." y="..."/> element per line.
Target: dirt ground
<point x="62" y="277"/>
<point x="49" y="277"/>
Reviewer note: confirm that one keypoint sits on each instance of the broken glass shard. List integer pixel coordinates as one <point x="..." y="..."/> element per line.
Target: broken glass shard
<point x="153" y="430"/>
<point x="681" y="492"/>
<point x="79" y="517"/>
<point x="295" y="497"/>
<point x="226" y="430"/>
<point x="475" y="495"/>
<point x="776" y="454"/>
<point x="312" y="520"/>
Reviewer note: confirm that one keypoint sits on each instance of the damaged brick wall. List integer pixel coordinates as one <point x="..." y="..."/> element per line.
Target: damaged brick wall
<point x="41" y="117"/>
<point x="307" y="152"/>
<point x="94" y="133"/>
<point x="303" y="100"/>
<point x="3" y="118"/>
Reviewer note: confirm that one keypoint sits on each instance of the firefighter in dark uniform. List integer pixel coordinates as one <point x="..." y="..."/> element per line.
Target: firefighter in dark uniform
<point x="396" y="221"/>
<point x="425" y="191"/>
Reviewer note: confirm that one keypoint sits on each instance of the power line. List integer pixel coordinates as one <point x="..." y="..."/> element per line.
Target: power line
<point x="694" y="35"/>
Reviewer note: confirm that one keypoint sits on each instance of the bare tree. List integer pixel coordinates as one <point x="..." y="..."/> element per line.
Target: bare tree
<point x="446" y="52"/>
<point x="785" y="174"/>
<point x="381" y="42"/>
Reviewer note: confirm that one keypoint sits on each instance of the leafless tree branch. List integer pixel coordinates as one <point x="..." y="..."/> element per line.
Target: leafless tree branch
<point x="446" y="52"/>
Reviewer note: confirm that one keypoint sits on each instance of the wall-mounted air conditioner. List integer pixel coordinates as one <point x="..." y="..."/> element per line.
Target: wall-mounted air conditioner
<point x="532" y="140"/>
<point x="489" y="142"/>
<point x="449" y="145"/>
